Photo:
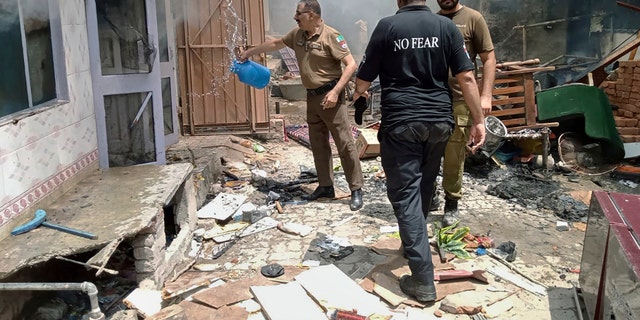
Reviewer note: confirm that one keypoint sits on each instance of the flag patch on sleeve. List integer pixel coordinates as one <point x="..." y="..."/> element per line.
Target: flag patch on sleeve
<point x="341" y="42"/>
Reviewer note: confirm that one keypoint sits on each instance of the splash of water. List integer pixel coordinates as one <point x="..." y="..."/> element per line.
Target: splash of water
<point x="234" y="39"/>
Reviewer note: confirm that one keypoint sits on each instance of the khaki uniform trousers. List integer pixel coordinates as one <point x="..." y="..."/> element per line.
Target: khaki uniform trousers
<point x="334" y="121"/>
<point x="454" y="153"/>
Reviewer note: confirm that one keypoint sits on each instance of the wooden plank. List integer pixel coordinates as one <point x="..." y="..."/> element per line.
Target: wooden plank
<point x="514" y="100"/>
<point x="530" y="99"/>
<point x="287" y="301"/>
<point x="508" y="90"/>
<point x="505" y="80"/>
<point x="508" y="112"/>
<point x="524" y="71"/>
<point x="513" y="122"/>
<point x="335" y="290"/>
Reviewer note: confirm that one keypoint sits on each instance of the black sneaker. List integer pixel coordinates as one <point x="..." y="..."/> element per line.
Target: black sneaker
<point x="421" y="292"/>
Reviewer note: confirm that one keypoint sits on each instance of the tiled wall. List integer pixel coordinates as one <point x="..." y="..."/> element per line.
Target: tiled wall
<point x="41" y="152"/>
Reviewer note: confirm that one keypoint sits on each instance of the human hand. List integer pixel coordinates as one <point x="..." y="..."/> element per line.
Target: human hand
<point x="357" y="95"/>
<point x="243" y="56"/>
<point x="476" y="137"/>
<point x="485" y="102"/>
<point x="330" y="100"/>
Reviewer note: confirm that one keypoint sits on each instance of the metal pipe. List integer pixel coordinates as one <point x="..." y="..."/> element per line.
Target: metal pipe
<point x="87" y="287"/>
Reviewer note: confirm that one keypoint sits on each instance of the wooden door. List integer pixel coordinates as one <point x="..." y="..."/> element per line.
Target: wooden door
<point x="213" y="100"/>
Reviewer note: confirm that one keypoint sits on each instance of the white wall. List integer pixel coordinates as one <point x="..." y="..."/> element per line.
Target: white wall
<point x="40" y="153"/>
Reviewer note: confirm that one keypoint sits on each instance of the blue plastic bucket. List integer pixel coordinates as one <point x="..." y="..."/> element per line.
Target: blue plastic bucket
<point x="252" y="73"/>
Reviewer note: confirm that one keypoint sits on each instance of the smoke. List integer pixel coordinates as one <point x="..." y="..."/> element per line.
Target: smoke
<point x="8" y="14"/>
<point x="355" y="19"/>
<point x="35" y="14"/>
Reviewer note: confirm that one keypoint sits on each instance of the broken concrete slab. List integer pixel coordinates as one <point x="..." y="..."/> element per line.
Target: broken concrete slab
<point x="287" y="301"/>
<point x="226" y="294"/>
<point x="334" y="290"/>
<point x="187" y="282"/>
<point x="222" y="206"/>
<point x="146" y="302"/>
<point x="108" y="214"/>
<point x="197" y="311"/>
<point x="174" y="312"/>
<point x="462" y="303"/>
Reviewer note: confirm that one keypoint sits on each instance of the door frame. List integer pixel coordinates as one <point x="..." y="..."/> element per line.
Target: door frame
<point x="168" y="70"/>
<point x="124" y="83"/>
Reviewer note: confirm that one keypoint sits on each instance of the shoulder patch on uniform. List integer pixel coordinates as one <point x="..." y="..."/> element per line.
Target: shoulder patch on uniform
<point x="341" y="41"/>
<point x="465" y="51"/>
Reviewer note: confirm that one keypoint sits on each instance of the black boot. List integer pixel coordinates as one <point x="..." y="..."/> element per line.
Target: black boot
<point x="435" y="201"/>
<point x="450" y="212"/>
<point x="419" y="291"/>
<point x="320" y="192"/>
<point x="356" y="200"/>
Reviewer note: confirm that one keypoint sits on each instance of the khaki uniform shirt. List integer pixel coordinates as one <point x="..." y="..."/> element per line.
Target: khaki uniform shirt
<point x="319" y="55"/>
<point x="477" y="39"/>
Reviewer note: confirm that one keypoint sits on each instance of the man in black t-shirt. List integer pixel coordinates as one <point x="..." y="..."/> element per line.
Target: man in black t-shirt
<point x="412" y="52"/>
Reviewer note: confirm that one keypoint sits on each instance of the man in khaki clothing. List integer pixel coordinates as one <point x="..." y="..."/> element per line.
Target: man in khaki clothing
<point x="321" y="50"/>
<point x="477" y="42"/>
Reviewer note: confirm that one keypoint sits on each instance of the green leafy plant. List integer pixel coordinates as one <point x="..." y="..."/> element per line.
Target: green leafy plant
<point x="450" y="238"/>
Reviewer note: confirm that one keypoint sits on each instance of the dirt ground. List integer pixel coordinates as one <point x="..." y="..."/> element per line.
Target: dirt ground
<point x="514" y="203"/>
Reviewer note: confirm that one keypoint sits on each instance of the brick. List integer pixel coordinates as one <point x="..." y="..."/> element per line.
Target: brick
<point x="149" y="265"/>
<point x="620" y="122"/>
<point x="632" y="122"/>
<point x="631" y="108"/>
<point x="626" y="63"/>
<point x="627" y="114"/>
<point x="635" y="88"/>
<point x="623" y="88"/>
<point x="625" y="94"/>
<point x="143" y="240"/>
<point x="636" y="70"/>
<point x="626" y="139"/>
<point x="611" y="92"/>
<point x="634" y="96"/>
<point x="605" y="84"/>
<point x="636" y="77"/>
<point x="630" y="138"/>
<point x="629" y="131"/>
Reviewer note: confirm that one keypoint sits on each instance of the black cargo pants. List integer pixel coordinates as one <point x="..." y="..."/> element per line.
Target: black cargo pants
<point x="411" y="155"/>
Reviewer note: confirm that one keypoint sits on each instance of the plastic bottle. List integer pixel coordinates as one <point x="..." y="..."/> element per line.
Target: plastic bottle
<point x="251" y="73"/>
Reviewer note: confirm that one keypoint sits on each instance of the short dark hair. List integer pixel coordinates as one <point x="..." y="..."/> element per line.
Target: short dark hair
<point x="312" y="5"/>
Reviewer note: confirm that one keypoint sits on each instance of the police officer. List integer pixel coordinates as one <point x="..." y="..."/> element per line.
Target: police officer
<point x="321" y="50"/>
<point x="412" y="52"/>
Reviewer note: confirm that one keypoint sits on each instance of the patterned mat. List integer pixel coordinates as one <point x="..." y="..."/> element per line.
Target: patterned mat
<point x="300" y="133"/>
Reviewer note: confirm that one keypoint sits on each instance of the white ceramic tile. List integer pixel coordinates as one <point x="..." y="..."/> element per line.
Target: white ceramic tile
<point x="4" y="198"/>
<point x="72" y="12"/>
<point x="71" y="38"/>
<point x="81" y="95"/>
<point x="76" y="141"/>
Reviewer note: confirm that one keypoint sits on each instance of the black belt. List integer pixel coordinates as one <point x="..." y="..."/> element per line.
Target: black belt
<point x="323" y="88"/>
